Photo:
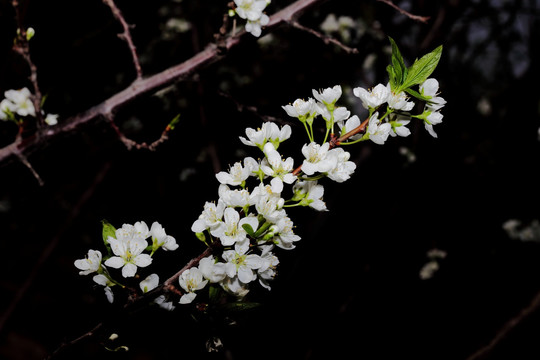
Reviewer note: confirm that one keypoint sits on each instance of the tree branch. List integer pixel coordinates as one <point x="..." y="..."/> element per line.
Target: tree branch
<point x="423" y="19"/>
<point x="507" y="328"/>
<point x="126" y="35"/>
<point x="151" y="84"/>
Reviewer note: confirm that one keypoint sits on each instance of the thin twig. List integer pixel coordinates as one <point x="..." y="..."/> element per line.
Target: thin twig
<point x="52" y="245"/>
<point x="507" y="328"/>
<point x="26" y="163"/>
<point x="325" y="38"/>
<point x="21" y="46"/>
<point x="126" y="35"/>
<point x="65" y="345"/>
<point x="423" y="19"/>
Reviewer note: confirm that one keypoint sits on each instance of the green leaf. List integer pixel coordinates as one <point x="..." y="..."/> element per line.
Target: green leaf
<point x="398" y="70"/>
<point x="392" y="77"/>
<point x="173" y="122"/>
<point x="108" y="230"/>
<point x="422" y="69"/>
<point x="417" y="95"/>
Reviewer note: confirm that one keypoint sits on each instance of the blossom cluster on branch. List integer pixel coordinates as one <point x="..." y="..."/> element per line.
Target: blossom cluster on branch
<point x="249" y="223"/>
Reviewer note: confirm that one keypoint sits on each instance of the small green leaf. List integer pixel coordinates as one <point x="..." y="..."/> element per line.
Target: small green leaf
<point x="173" y="122"/>
<point x="417" y="95"/>
<point x="392" y="76"/>
<point x="108" y="230"/>
<point x="398" y="70"/>
<point x="422" y="69"/>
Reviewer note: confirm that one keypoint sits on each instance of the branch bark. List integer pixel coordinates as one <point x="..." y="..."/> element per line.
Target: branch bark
<point x="142" y="86"/>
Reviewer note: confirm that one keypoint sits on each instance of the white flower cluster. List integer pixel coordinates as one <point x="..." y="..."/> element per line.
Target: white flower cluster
<point x="126" y="250"/>
<point x="252" y="11"/>
<point x="19" y="103"/>
<point x="251" y="223"/>
<point x="397" y="117"/>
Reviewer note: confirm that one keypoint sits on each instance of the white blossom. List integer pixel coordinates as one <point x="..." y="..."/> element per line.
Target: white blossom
<point x="316" y="159"/>
<point x="301" y="108"/>
<point x="128" y="247"/>
<point x="374" y="98"/>
<point x="211" y="217"/>
<point x="343" y="168"/>
<point x="285" y="236"/>
<point x="237" y="173"/>
<point x="232" y="231"/>
<point x="377" y="132"/>
<point x="352" y="123"/>
<point x="161" y="239"/>
<point x="312" y="194"/>
<point x="90" y="264"/>
<point x="280" y="170"/>
<point x="429" y="88"/>
<point x="267" y="271"/>
<point x="242" y="265"/>
<point x="433" y="118"/>
<point x="399" y="101"/>
<point x="255" y="27"/>
<point x="212" y="271"/>
<point x="51" y="119"/>
<point x="234" y="198"/>
<point x="149" y="283"/>
<point x="235" y="287"/>
<point x="17" y="102"/>
<point x="328" y="96"/>
<point x="269" y="131"/>
<point x="250" y="9"/>
<point x="399" y="126"/>
<point x="191" y="280"/>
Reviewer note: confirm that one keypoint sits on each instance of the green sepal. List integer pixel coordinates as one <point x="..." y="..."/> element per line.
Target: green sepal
<point x="249" y="230"/>
<point x="202" y="237"/>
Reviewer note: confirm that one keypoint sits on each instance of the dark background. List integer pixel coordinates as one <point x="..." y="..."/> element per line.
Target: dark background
<point x="351" y="289"/>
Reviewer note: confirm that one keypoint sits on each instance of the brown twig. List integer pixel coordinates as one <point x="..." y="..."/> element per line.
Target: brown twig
<point x="65" y="345"/>
<point x="22" y="47"/>
<point x="422" y="19"/>
<point x="126" y="35"/>
<point x="507" y="328"/>
<point x="325" y="38"/>
<point x="52" y="245"/>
